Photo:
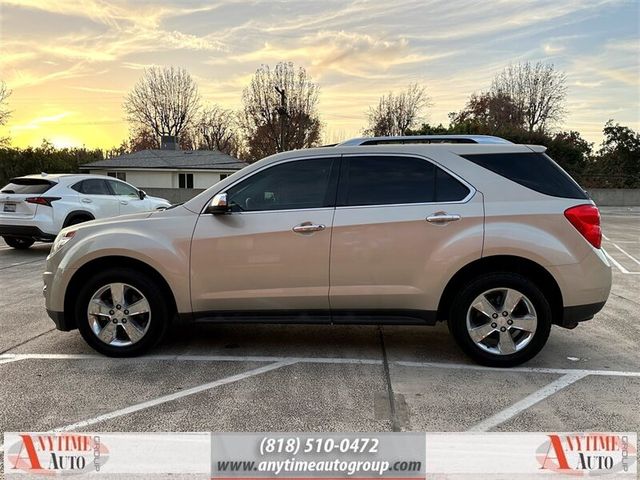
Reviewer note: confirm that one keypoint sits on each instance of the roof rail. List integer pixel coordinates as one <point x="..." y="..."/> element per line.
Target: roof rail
<point x="485" y="139"/>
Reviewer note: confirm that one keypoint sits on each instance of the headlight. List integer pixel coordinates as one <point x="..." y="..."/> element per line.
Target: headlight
<point x="62" y="239"/>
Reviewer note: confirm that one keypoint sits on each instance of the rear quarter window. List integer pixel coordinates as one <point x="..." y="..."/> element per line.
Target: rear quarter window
<point x="27" y="186"/>
<point x="448" y="189"/>
<point x="536" y="171"/>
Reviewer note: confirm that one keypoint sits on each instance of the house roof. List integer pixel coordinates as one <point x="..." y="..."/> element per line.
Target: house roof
<point x="180" y="159"/>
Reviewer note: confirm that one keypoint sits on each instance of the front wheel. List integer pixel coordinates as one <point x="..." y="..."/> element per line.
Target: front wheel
<point x="121" y="313"/>
<point x="19" y="243"/>
<point x="500" y="319"/>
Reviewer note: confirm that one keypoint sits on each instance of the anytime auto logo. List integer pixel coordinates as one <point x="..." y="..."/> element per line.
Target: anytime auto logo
<point x="587" y="454"/>
<point x="57" y="454"/>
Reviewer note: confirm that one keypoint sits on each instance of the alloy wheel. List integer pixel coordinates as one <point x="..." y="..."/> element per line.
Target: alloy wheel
<point x="119" y="314"/>
<point x="501" y="321"/>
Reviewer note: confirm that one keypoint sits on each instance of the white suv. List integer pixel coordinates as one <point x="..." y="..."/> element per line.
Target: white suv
<point x="37" y="207"/>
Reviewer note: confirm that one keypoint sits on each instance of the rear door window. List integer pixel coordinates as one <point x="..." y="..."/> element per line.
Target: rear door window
<point x="93" y="187"/>
<point x="536" y="171"/>
<point x="27" y="186"/>
<point x="391" y="180"/>
<point x="388" y="180"/>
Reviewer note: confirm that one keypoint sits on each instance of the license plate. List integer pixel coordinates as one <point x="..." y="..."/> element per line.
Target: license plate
<point x="9" y="207"/>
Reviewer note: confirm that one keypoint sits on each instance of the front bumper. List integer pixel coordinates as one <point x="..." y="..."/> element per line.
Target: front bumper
<point x="26" y="231"/>
<point x="62" y="322"/>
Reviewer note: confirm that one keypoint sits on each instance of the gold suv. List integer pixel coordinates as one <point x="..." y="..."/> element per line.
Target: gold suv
<point x="492" y="237"/>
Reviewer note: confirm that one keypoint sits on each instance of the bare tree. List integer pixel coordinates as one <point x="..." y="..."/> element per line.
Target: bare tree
<point x="538" y="91"/>
<point x="218" y="130"/>
<point x="5" y="113"/>
<point x="279" y="111"/>
<point x="165" y="101"/>
<point x="397" y="113"/>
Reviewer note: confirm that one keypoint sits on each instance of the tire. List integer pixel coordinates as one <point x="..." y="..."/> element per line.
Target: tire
<point x="19" y="243"/>
<point x="149" y="328"/>
<point x="528" y="334"/>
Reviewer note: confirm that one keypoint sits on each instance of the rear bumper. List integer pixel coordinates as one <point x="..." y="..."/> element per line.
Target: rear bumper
<point x="26" y="231"/>
<point x="62" y="322"/>
<point x="571" y="316"/>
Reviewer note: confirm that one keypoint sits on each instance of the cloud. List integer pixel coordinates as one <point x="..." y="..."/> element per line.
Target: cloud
<point x="347" y="53"/>
<point x="355" y="49"/>
<point x="99" y="90"/>
<point x="39" y="121"/>
<point x="580" y="83"/>
<point x="551" y="49"/>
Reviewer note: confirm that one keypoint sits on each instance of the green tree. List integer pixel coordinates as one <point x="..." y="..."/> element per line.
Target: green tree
<point x="15" y="162"/>
<point x="488" y="113"/>
<point x="619" y="156"/>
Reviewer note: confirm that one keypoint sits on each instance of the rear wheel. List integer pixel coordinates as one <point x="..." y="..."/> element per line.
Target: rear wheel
<point x="121" y="313"/>
<point x="19" y="243"/>
<point x="500" y="319"/>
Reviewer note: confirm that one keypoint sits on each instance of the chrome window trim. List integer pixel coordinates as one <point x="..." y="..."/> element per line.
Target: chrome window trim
<point x="253" y="212"/>
<point x="472" y="189"/>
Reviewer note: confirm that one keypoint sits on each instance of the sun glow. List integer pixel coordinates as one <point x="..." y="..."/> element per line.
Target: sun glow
<point x="65" y="142"/>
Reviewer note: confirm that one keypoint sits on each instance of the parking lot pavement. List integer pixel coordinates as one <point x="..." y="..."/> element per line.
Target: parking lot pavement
<point x="343" y="378"/>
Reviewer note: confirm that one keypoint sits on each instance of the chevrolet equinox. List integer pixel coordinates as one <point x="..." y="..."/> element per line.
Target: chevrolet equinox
<point x="492" y="237"/>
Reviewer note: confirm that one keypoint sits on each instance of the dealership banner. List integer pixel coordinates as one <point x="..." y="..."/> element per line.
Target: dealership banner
<point x="255" y="456"/>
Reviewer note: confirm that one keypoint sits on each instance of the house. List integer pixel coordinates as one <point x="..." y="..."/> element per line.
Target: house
<point x="170" y="173"/>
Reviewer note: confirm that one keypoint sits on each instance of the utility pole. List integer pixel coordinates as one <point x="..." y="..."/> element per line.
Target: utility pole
<point x="282" y="113"/>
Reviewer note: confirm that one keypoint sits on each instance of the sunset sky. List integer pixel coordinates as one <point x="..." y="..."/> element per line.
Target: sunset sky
<point x="71" y="62"/>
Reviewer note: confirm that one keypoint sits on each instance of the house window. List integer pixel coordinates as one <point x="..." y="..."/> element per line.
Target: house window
<point x="223" y="176"/>
<point x="185" y="180"/>
<point x="119" y="175"/>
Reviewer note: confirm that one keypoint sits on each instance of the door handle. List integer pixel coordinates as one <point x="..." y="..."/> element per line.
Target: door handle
<point x="308" y="227"/>
<point x="124" y="202"/>
<point x="441" y="218"/>
<point x="87" y="200"/>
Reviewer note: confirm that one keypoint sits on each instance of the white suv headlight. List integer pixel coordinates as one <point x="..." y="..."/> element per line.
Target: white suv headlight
<point x="61" y="240"/>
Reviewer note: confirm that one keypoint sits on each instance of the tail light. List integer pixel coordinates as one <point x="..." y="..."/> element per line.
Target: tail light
<point x="42" y="200"/>
<point x="586" y="219"/>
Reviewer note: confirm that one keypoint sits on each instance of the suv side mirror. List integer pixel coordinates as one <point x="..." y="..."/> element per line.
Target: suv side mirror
<point x="218" y="205"/>
<point x="142" y="194"/>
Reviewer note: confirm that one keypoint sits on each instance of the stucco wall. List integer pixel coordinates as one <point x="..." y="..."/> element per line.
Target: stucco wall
<point x="150" y="179"/>
<point x="174" y="195"/>
<point x="146" y="179"/>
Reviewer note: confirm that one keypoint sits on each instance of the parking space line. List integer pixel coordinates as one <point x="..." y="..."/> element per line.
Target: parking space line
<point x="626" y="253"/>
<point x="620" y="267"/>
<point x="194" y="358"/>
<point x="527" y="402"/>
<point x="173" y="396"/>
<point x="557" y="371"/>
<point x="166" y="398"/>
<point x="10" y="360"/>
<point x="21" y="263"/>
<point x="326" y="360"/>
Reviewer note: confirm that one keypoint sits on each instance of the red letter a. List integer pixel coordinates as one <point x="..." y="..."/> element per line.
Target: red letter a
<point x="560" y="456"/>
<point x="31" y="452"/>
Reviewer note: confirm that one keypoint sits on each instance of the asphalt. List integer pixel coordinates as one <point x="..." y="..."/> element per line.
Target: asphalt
<point x="320" y="378"/>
